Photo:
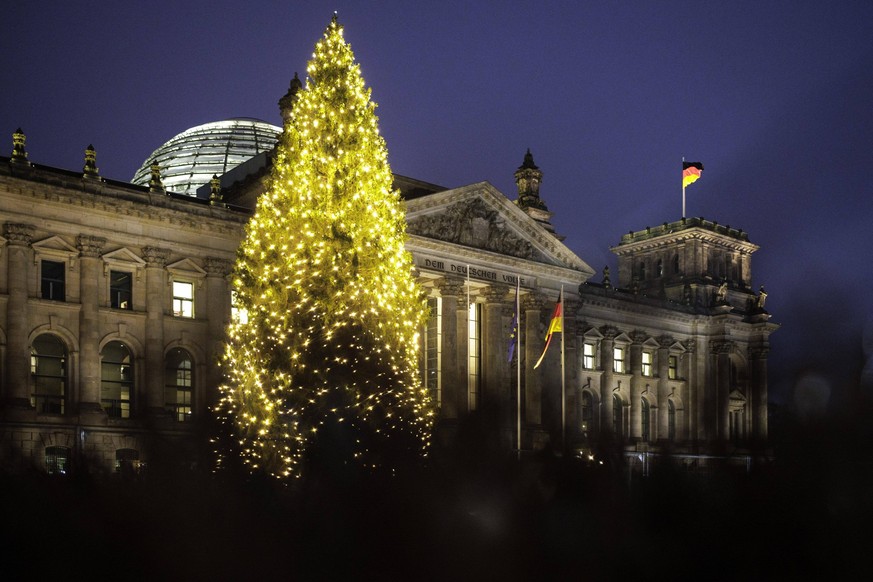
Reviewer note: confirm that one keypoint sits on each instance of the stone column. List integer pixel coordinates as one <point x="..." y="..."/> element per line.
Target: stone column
<point x="493" y="360"/>
<point x="90" y="278"/>
<point x="693" y="399"/>
<point x="532" y="307"/>
<point x="19" y="260"/>
<point x="156" y="292"/>
<point x="454" y="385"/>
<point x="758" y="392"/>
<point x="218" y="314"/>
<point x="462" y="329"/>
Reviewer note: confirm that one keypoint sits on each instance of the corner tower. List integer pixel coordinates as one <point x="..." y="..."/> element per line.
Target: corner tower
<point x="528" y="178"/>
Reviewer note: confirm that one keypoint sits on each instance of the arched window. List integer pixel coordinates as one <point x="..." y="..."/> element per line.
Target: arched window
<point x="645" y="420"/>
<point x="57" y="460"/>
<point x="127" y="462"/>
<point x="671" y="420"/>
<point x="587" y="411"/>
<point x="116" y="380"/>
<point x="48" y="370"/>
<point x="179" y="384"/>
<point x="617" y="415"/>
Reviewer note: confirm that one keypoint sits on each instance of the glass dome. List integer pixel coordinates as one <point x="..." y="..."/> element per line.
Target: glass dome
<point x="190" y="159"/>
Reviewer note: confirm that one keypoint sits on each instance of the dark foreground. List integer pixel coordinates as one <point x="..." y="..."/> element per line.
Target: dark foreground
<point x="470" y="514"/>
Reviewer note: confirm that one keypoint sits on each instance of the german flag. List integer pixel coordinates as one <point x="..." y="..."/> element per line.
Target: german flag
<point x="556" y="326"/>
<point x="691" y="172"/>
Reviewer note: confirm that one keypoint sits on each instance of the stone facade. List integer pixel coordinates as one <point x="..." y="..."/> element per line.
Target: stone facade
<point x="114" y="299"/>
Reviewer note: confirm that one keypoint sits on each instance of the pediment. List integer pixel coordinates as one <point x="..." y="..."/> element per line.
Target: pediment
<point x="124" y="257"/>
<point x="651" y="343"/>
<point x="186" y="268"/>
<point x="55" y="245"/>
<point x="737" y="396"/>
<point x="480" y="217"/>
<point x="593" y="334"/>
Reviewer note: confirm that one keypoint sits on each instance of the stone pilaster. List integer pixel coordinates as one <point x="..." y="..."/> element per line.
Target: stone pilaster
<point x="19" y="263"/>
<point x="156" y="291"/>
<point x="637" y="383"/>
<point x="719" y="411"/>
<point x="90" y="278"/>
<point x="608" y="384"/>
<point x="218" y="316"/>
<point x="758" y="387"/>
<point x="663" y="388"/>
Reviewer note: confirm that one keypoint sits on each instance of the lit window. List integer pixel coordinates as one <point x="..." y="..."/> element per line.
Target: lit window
<point x="57" y="460"/>
<point x="673" y="367"/>
<point x="53" y="280"/>
<point x="237" y="314"/>
<point x="474" y="356"/>
<point x="48" y="370"/>
<point x="433" y="349"/>
<point x="183" y="299"/>
<point x="618" y="360"/>
<point x="116" y="380"/>
<point x="647" y="363"/>
<point x="588" y="356"/>
<point x="120" y="290"/>
<point x="178" y="386"/>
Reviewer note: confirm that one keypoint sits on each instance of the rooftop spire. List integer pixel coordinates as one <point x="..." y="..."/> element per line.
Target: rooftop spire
<point x="19" y="153"/>
<point x="286" y="103"/>
<point x="90" y="170"/>
<point x="528" y="177"/>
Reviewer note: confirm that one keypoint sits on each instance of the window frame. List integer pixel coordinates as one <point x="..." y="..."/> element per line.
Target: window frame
<point x="183" y="301"/>
<point x="182" y="411"/>
<point x="125" y="408"/>
<point x="647" y="368"/>
<point x="114" y="290"/>
<point x="673" y="367"/>
<point x="619" y="364"/>
<point x="43" y="401"/>
<point x="43" y="279"/>
<point x="589" y="360"/>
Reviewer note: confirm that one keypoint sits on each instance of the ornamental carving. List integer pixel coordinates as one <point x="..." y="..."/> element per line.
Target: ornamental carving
<point x="609" y="332"/>
<point x="451" y="287"/>
<point x="638" y="336"/>
<point x="472" y="224"/>
<point x="721" y="347"/>
<point x="495" y="293"/>
<point x="90" y="246"/>
<point x="18" y="234"/>
<point x="666" y="341"/>
<point x="155" y="256"/>
<point x="218" y="267"/>
<point x="532" y="302"/>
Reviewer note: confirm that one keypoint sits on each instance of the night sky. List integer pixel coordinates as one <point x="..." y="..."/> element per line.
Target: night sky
<point x="775" y="98"/>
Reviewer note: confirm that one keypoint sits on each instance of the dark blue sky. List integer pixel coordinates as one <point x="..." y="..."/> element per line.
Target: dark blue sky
<point x="775" y="98"/>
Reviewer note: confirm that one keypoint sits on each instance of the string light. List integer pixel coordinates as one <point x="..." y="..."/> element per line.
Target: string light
<point x="333" y="309"/>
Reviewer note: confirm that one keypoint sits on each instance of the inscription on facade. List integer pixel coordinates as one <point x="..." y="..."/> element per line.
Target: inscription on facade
<point x="478" y="273"/>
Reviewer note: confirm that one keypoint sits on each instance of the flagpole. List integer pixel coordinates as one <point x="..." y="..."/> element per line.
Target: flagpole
<point x="563" y="377"/>
<point x="518" y="362"/>
<point x="683" y="187"/>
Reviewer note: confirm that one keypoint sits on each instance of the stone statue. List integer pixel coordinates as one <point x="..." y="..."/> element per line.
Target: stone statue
<point x="762" y="297"/>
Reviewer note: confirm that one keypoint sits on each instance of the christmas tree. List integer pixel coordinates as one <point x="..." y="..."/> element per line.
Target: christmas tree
<point x="328" y="350"/>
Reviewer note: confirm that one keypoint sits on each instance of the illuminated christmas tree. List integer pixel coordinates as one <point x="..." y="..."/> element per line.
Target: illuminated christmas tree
<point x="329" y="343"/>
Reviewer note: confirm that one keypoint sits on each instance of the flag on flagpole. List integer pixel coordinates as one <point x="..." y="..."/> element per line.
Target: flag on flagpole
<point x="556" y="326"/>
<point x="691" y="172"/>
<point x="513" y="329"/>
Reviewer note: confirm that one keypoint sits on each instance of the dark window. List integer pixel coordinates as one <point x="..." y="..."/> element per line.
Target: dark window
<point x="616" y="415"/>
<point x="641" y="269"/>
<point x="179" y="383"/>
<point x="48" y="371"/>
<point x="675" y="264"/>
<point x="671" y="420"/>
<point x="127" y="462"/>
<point x="53" y="280"/>
<point x="587" y="411"/>
<point x="116" y="380"/>
<point x="120" y="290"/>
<point x="659" y="269"/>
<point x="645" y="419"/>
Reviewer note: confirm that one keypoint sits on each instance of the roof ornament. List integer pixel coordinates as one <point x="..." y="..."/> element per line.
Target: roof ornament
<point x="528" y="177"/>
<point x="155" y="184"/>
<point x="215" y="197"/>
<point x="90" y="170"/>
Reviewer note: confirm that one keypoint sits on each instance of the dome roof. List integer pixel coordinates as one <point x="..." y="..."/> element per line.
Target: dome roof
<point x="190" y="159"/>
